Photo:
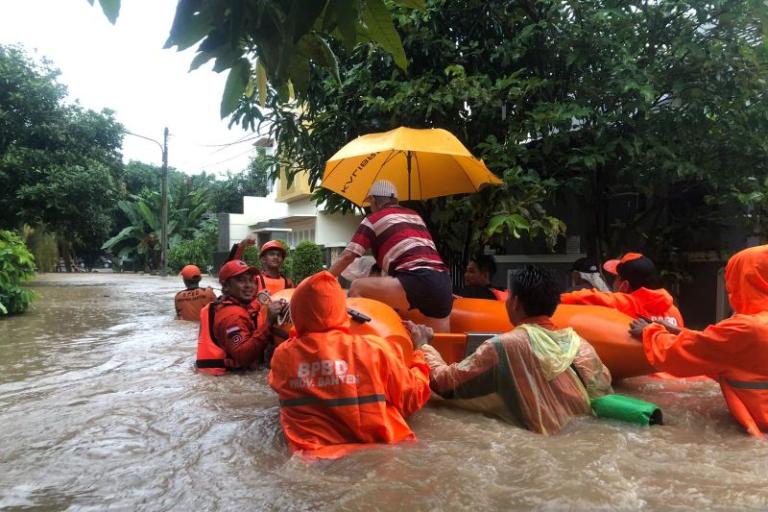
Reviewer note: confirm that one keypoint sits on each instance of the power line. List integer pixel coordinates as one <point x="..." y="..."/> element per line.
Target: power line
<point x="228" y="159"/>
<point x="247" y="138"/>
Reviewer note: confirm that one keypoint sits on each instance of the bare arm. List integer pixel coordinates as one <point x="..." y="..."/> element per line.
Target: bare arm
<point x="342" y="262"/>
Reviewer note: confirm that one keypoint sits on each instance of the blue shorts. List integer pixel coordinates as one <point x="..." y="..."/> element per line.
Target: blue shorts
<point x="427" y="290"/>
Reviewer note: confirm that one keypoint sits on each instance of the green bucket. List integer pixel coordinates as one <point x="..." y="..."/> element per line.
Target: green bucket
<point x="626" y="408"/>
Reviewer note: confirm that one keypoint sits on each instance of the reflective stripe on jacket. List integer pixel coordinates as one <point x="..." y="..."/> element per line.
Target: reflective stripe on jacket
<point x="338" y="391"/>
<point x="733" y="351"/>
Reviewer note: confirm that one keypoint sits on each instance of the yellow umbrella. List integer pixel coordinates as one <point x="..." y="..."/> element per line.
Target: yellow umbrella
<point x="421" y="164"/>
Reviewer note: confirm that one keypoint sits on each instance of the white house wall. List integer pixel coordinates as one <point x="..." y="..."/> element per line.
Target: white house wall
<point x="335" y="230"/>
<point x="255" y="210"/>
<point x="300" y="207"/>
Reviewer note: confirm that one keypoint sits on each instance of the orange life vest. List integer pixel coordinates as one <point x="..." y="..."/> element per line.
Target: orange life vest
<point x="190" y="302"/>
<point x="271" y="284"/>
<point x="210" y="355"/>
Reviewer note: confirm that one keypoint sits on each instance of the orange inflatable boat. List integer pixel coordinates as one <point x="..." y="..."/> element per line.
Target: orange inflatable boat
<point x="474" y="319"/>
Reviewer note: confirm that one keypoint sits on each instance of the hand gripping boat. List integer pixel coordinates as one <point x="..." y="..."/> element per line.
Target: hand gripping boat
<point x="473" y="319"/>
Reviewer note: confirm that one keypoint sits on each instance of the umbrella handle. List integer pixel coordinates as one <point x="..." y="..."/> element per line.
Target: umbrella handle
<point x="408" y="159"/>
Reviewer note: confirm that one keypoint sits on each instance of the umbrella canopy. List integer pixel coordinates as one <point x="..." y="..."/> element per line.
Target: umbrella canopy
<point x="421" y="164"/>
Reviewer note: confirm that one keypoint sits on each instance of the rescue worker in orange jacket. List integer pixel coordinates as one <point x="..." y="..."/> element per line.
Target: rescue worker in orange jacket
<point x="734" y="351"/>
<point x="536" y="376"/>
<point x="340" y="392"/>
<point x="230" y="337"/>
<point x="272" y="256"/>
<point x="636" y="294"/>
<point x="189" y="302"/>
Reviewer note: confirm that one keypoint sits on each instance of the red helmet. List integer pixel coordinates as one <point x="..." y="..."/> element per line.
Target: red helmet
<point x="272" y="244"/>
<point x="234" y="268"/>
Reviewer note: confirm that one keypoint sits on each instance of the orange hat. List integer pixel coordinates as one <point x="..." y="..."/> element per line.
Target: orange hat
<point x="610" y="265"/>
<point x="234" y="268"/>
<point x="635" y="268"/>
<point x="272" y="244"/>
<point x="190" y="272"/>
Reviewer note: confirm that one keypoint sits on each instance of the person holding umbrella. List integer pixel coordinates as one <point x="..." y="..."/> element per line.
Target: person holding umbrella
<point x="413" y="273"/>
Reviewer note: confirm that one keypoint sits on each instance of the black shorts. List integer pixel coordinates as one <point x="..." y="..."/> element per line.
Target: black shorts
<point x="428" y="291"/>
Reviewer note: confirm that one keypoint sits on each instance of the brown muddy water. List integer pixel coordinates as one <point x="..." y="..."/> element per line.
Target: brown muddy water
<point x="100" y="409"/>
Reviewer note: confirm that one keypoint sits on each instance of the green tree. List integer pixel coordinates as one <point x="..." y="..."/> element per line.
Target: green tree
<point x="139" y="176"/>
<point x="44" y="248"/>
<point x="139" y="233"/>
<point x="17" y="266"/>
<point x="226" y="195"/>
<point x="59" y="163"/>
<point x="190" y="252"/>
<point x="580" y="103"/>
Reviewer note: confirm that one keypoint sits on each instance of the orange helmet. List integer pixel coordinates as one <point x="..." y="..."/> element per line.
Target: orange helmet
<point x="272" y="244"/>
<point x="190" y="272"/>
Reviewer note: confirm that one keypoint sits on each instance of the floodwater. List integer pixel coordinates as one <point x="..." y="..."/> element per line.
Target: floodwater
<point x="100" y="409"/>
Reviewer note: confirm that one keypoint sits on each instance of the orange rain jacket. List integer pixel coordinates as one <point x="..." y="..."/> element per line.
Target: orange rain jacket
<point x="653" y="304"/>
<point x="190" y="302"/>
<point x="338" y="391"/>
<point x="237" y="332"/>
<point x="735" y="351"/>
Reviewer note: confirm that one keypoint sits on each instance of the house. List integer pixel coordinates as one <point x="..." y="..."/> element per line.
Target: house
<point x="289" y="214"/>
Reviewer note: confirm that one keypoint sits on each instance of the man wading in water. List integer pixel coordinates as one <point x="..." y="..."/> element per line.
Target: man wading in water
<point x="230" y="336"/>
<point x="340" y="392"/>
<point x="534" y="376"/>
<point x="189" y="302"/>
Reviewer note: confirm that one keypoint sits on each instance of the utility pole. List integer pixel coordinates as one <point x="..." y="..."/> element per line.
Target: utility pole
<point x="163" y="199"/>
<point x="164" y="208"/>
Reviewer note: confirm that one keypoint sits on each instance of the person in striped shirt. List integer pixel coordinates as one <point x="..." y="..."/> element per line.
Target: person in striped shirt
<point x="413" y="273"/>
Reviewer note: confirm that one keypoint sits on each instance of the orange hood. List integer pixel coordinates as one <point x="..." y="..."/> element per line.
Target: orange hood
<point x="655" y="302"/>
<point x="319" y="305"/>
<point x="746" y="278"/>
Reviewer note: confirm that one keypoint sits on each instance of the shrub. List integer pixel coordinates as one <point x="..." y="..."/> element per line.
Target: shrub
<point x="186" y="252"/>
<point x="44" y="248"/>
<point x="251" y="256"/>
<point x="307" y="259"/>
<point x="17" y="265"/>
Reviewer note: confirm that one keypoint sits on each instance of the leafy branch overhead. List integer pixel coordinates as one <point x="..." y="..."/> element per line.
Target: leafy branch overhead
<point x="276" y="43"/>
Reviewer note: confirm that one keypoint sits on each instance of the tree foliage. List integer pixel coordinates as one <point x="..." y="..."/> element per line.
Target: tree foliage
<point x="275" y="43"/>
<point x="17" y="266"/>
<point x="226" y="195"/>
<point x="139" y="235"/>
<point x="627" y="114"/>
<point x="59" y="163"/>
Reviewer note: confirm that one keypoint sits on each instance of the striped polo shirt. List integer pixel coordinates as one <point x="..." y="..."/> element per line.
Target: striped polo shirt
<point x="399" y="241"/>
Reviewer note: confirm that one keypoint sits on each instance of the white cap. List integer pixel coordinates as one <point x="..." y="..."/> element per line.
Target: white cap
<point x="383" y="188"/>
